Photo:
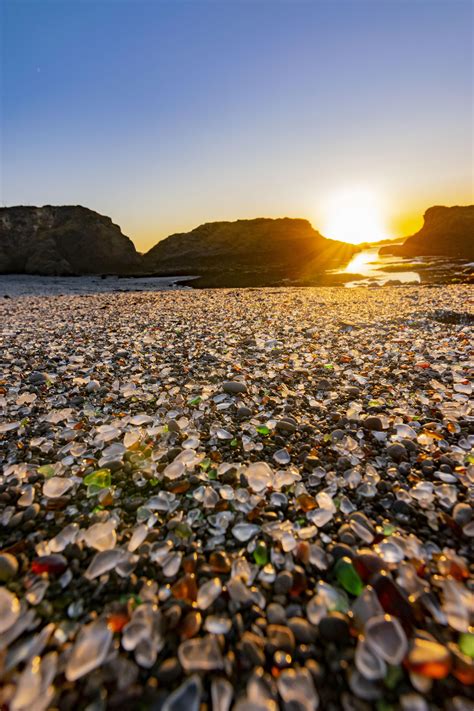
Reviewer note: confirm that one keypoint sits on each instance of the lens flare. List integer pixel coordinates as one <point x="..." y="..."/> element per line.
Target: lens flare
<point x="354" y="215"/>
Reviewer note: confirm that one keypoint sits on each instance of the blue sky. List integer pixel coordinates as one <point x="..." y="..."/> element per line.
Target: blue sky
<point x="164" y="114"/>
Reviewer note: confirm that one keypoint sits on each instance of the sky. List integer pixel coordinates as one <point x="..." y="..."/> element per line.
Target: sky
<point x="164" y="114"/>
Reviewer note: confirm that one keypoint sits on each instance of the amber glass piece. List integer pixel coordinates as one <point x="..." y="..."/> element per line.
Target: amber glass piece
<point x="432" y="670"/>
<point x="179" y="487"/>
<point x="306" y="502"/>
<point x="221" y="505"/>
<point x="185" y="588"/>
<point x="189" y="563"/>
<point x="106" y="499"/>
<point x="254" y="513"/>
<point x="454" y="566"/>
<point x="191" y="624"/>
<point x="116" y="621"/>
<point x="302" y="552"/>
<point x="300" y="583"/>
<point x="429" y="658"/>
<point x="219" y="562"/>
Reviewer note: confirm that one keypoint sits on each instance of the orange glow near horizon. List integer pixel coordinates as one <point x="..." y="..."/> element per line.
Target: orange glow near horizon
<point x="354" y="215"/>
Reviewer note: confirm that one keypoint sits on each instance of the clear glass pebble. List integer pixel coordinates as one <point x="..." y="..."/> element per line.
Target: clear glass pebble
<point x="245" y="531"/>
<point x="103" y="562"/>
<point x="9" y="609"/>
<point x="385" y="637"/>
<point x="202" y="654"/>
<point x="89" y="651"/>
<point x="259" y="476"/>
<point x="56" y="486"/>
<point x="208" y="593"/>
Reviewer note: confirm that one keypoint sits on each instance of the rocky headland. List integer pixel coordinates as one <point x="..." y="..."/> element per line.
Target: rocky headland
<point x="446" y="232"/>
<point x="64" y="240"/>
<point x="260" y="252"/>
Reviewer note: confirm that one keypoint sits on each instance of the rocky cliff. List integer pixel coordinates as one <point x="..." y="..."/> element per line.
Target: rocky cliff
<point x="255" y="252"/>
<point x="63" y="240"/>
<point x="446" y="231"/>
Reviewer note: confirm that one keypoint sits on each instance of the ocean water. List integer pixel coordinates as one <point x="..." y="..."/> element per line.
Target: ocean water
<point x="369" y="264"/>
<point x="26" y="284"/>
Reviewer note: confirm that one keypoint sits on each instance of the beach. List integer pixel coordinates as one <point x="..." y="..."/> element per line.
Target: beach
<point x="257" y="498"/>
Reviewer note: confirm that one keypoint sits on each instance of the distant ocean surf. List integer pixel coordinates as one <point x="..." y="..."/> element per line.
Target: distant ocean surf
<point x="31" y="285"/>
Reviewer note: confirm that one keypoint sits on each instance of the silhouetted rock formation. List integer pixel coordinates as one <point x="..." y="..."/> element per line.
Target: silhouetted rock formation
<point x="63" y="240"/>
<point x="248" y="253"/>
<point x="447" y="231"/>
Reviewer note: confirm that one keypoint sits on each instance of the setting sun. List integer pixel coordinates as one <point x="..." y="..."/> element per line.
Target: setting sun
<point x="354" y="215"/>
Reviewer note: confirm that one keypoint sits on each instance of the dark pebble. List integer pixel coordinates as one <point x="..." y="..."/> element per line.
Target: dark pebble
<point x="335" y="628"/>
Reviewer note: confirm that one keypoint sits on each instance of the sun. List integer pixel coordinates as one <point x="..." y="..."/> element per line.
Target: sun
<point x="354" y="215"/>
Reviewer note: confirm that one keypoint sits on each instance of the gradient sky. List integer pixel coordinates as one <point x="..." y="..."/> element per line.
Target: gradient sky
<point x="164" y="114"/>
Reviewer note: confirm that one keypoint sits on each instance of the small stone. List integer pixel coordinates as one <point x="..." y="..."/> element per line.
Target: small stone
<point x="37" y="378"/>
<point x="462" y="514"/>
<point x="352" y="391"/>
<point x="8" y="567"/>
<point x="286" y="425"/>
<point x="283" y="583"/>
<point x="280" y="637"/>
<point x="304" y="632"/>
<point x="169" y="671"/>
<point x="334" y="628"/>
<point x="397" y="452"/>
<point x="276" y="614"/>
<point x="251" y="650"/>
<point x="31" y="512"/>
<point x="373" y="423"/>
<point x="234" y="387"/>
<point x="244" y="412"/>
